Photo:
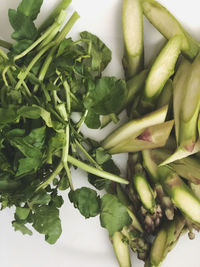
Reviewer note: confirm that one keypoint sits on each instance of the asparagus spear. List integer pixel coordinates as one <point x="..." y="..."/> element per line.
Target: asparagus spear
<point x="121" y="249"/>
<point x="180" y="194"/>
<point x="145" y="192"/>
<point x="167" y="25"/>
<point x="179" y="84"/>
<point x="151" y="137"/>
<point x="166" y="239"/>
<point x="162" y="68"/>
<point x="132" y="22"/>
<point x="135" y="127"/>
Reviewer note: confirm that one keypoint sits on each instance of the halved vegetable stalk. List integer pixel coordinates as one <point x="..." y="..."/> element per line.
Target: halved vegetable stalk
<point x="151" y="137"/>
<point x="162" y="68"/>
<point x="181" y="153"/>
<point x="135" y="127"/>
<point x="121" y="249"/>
<point x="190" y="108"/>
<point x="180" y="194"/>
<point x="134" y="86"/>
<point x="132" y="21"/>
<point x="152" y="169"/>
<point x="167" y="25"/>
<point x="145" y="192"/>
<point x="188" y="168"/>
<point x="179" y="84"/>
<point x="166" y="239"/>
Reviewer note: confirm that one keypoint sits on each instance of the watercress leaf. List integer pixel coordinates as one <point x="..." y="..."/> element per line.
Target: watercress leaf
<point x="102" y="155"/>
<point x="63" y="45"/>
<point x="29" y="112"/>
<point x="86" y="200"/>
<point x="15" y="133"/>
<point x="20" y="46"/>
<point x="46" y="221"/>
<point x="58" y="201"/>
<point x="19" y="226"/>
<point x="40" y="198"/>
<point x="27" y="165"/>
<point x="100" y="54"/>
<point x="8" y="115"/>
<point x="30" y="8"/>
<point x="101" y="183"/>
<point x="22" y="213"/>
<point x="23" y="26"/>
<point x="92" y="120"/>
<point x="63" y="184"/>
<point x="31" y="144"/>
<point x="107" y="96"/>
<point x="114" y="215"/>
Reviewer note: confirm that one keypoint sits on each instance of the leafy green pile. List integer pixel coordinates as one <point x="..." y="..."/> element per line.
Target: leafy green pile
<point x="45" y="77"/>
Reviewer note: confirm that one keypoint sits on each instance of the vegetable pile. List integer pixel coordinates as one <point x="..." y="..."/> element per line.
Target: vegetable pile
<point x="46" y="77"/>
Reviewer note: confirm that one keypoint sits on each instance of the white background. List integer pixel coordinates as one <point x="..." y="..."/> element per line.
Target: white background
<point x="83" y="242"/>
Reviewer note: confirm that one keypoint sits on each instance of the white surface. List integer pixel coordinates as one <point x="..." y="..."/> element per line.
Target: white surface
<point x="83" y="242"/>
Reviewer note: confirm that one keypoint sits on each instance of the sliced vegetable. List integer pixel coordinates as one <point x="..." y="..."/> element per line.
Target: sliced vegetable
<point x="132" y="21"/>
<point x="121" y="250"/>
<point x="162" y="68"/>
<point x="135" y="128"/>
<point x="180" y="194"/>
<point x="167" y="24"/>
<point x="145" y="192"/>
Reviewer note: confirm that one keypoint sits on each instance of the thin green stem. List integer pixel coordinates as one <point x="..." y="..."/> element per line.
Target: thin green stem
<point x="4" y="75"/>
<point x="5" y="44"/>
<point x="95" y="171"/>
<point x="46" y="34"/>
<point x="26" y="89"/>
<point x="67" y="94"/>
<point x="49" y="20"/>
<point x="51" y="177"/>
<point x="81" y="121"/>
<point x="65" y="153"/>
<point x="59" y="39"/>
<point x="88" y="155"/>
<point x="32" y="63"/>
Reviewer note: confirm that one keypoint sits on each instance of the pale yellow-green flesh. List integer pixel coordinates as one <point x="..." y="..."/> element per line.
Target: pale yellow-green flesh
<point x="159" y="135"/>
<point x="132" y="26"/>
<point x="187" y="203"/>
<point x="167" y="24"/>
<point x="121" y="250"/>
<point x="179" y="85"/>
<point x="144" y="193"/>
<point x="163" y="67"/>
<point x="158" y="248"/>
<point x="135" y="127"/>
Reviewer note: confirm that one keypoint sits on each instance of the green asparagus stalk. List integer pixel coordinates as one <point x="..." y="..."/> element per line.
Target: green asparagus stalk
<point x="167" y="25"/>
<point x="162" y="69"/>
<point x="135" y="127"/>
<point x="166" y="239"/>
<point x="121" y="249"/>
<point x="188" y="168"/>
<point x="132" y="21"/>
<point x="180" y="194"/>
<point x="145" y="192"/>
<point x="179" y="84"/>
<point x="151" y="137"/>
<point x="190" y="108"/>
